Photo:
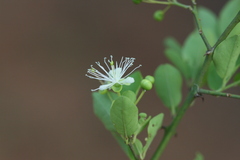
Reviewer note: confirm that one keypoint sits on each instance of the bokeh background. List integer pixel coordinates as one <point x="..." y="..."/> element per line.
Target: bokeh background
<point x="46" y="110"/>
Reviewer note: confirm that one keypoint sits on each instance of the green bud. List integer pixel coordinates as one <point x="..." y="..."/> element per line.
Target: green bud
<point x="146" y="84"/>
<point x="142" y="115"/>
<point x="103" y="91"/>
<point x="137" y="1"/>
<point x="158" y="15"/>
<point x="150" y="78"/>
<point x="117" y="87"/>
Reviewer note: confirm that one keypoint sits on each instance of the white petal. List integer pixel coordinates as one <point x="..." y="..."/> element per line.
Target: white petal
<point x="105" y="86"/>
<point x="127" y="81"/>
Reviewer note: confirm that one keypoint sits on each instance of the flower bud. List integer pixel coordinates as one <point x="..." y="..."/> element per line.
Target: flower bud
<point x="146" y="84"/>
<point x="137" y="1"/>
<point x="158" y="15"/>
<point x="117" y="87"/>
<point x="103" y="91"/>
<point x="150" y="78"/>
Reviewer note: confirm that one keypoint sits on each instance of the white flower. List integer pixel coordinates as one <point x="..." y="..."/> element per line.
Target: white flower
<point x="114" y="75"/>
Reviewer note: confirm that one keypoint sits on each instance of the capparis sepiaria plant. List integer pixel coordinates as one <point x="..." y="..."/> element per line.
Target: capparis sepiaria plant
<point x="208" y="62"/>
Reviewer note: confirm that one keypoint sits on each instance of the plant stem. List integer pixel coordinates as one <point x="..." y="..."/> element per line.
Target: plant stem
<point x="199" y="26"/>
<point x="231" y="85"/>
<point x="140" y="96"/>
<point x="171" y="130"/>
<point x="215" y="93"/>
<point x="227" y="31"/>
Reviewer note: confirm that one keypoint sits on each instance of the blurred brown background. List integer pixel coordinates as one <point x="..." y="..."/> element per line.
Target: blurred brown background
<point x="45" y="99"/>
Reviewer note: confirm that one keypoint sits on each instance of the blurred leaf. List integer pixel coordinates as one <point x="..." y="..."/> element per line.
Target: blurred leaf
<point x="226" y="16"/>
<point x="130" y="94"/>
<point x="175" y="57"/>
<point x="214" y="80"/>
<point x="193" y="53"/>
<point x="168" y="86"/>
<point x="101" y="106"/>
<point x="138" y="147"/>
<point x="225" y="57"/>
<point x="136" y="85"/>
<point x="199" y="156"/>
<point x="153" y="127"/>
<point x="171" y="43"/>
<point x="124" y="116"/>
<point x="209" y="24"/>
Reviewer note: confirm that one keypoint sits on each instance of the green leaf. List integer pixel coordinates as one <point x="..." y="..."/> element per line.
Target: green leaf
<point x="138" y="148"/>
<point x="225" y="57"/>
<point x="130" y="94"/>
<point x="168" y="85"/>
<point x="170" y="42"/>
<point x="101" y="106"/>
<point x="199" y="156"/>
<point x="153" y="127"/>
<point x="192" y="53"/>
<point x="136" y="85"/>
<point x="213" y="79"/>
<point x="124" y="116"/>
<point x="227" y="14"/>
<point x="175" y="57"/>
<point x="209" y="24"/>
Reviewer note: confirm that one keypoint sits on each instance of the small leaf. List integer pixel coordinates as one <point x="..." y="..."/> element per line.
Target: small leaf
<point x="172" y="43"/>
<point x="138" y="147"/>
<point x="168" y="86"/>
<point x="153" y="127"/>
<point x="192" y="53"/>
<point x="225" y="57"/>
<point x="124" y="116"/>
<point x="199" y="156"/>
<point x="101" y="106"/>
<point x="175" y="57"/>
<point x="136" y="85"/>
<point x="213" y="79"/>
<point x="209" y="24"/>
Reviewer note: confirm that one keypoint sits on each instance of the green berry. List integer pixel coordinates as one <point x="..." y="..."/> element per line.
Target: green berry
<point x="158" y="15"/>
<point x="146" y="84"/>
<point x="150" y="78"/>
<point x="137" y="1"/>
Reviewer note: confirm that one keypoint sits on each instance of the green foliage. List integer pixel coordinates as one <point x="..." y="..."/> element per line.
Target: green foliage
<point x="101" y="106"/>
<point x="124" y="116"/>
<point x="192" y="52"/>
<point x="199" y="156"/>
<point x="136" y="85"/>
<point x="168" y="86"/>
<point x="213" y="79"/>
<point x="225" y="57"/>
<point x="138" y="148"/>
<point x="153" y="127"/>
